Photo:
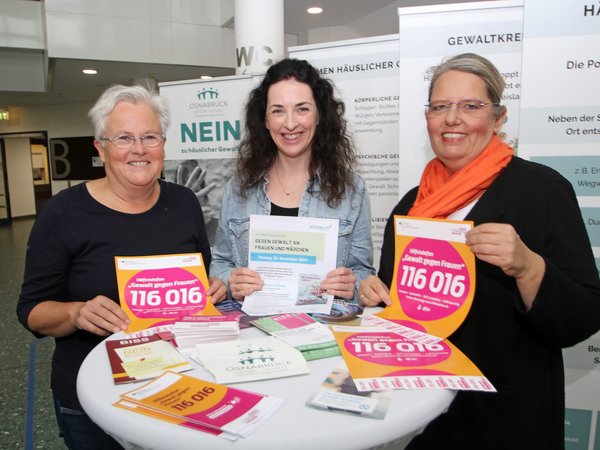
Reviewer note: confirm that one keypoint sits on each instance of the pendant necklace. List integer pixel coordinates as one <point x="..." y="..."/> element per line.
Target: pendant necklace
<point x="285" y="191"/>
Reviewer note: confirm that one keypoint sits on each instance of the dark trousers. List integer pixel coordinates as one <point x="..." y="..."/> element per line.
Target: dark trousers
<point x="79" y="432"/>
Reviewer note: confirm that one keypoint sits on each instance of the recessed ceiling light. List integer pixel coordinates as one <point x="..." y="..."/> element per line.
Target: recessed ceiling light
<point x="205" y="77"/>
<point x="90" y="71"/>
<point x="315" y="10"/>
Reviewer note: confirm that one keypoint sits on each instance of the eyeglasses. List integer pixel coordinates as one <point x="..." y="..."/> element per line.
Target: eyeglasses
<point x="471" y="108"/>
<point x="126" y="141"/>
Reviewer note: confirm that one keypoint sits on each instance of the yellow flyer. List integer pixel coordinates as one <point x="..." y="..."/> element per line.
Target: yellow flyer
<point x="434" y="277"/>
<point x="158" y="290"/>
<point x="380" y="359"/>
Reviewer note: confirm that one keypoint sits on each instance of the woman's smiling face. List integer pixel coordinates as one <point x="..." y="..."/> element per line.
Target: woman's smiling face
<point x="136" y="167"/>
<point x="458" y="138"/>
<point x="292" y="117"/>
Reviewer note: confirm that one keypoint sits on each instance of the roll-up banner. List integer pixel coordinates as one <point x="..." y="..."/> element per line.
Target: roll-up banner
<point x="560" y="127"/>
<point x="365" y="74"/>
<point x="428" y="34"/>
<point x="206" y="128"/>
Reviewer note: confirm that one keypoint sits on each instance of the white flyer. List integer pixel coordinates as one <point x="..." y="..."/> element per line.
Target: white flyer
<point x="293" y="256"/>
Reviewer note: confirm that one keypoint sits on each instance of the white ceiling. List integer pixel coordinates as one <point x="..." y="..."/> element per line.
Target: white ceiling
<point x="66" y="84"/>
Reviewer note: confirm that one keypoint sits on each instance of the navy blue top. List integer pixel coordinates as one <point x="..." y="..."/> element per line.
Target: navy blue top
<point x="70" y="257"/>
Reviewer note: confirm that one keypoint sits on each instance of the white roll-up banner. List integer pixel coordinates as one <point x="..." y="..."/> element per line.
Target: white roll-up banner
<point x="365" y="74"/>
<point x="428" y="34"/>
<point x="560" y="127"/>
<point x="206" y="128"/>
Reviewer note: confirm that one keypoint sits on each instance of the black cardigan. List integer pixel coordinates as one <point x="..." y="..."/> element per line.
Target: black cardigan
<point x="519" y="352"/>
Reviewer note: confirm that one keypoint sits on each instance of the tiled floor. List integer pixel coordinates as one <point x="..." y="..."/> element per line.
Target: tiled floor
<point x="17" y="343"/>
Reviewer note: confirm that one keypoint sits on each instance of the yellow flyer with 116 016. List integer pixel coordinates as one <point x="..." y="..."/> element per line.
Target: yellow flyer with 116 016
<point x="161" y="289"/>
<point x="405" y="346"/>
<point x="434" y="275"/>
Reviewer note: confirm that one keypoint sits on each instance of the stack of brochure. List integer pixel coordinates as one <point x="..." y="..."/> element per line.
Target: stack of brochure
<point x="233" y="308"/>
<point x="250" y="359"/>
<point x="302" y="332"/>
<point x="193" y="330"/>
<point x="143" y="358"/>
<point x="213" y="408"/>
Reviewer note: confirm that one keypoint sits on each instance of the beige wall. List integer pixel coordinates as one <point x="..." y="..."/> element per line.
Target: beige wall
<point x="20" y="179"/>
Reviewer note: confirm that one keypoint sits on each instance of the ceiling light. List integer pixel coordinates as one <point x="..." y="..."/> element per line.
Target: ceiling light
<point x="205" y="77"/>
<point x="90" y="71"/>
<point x="315" y="10"/>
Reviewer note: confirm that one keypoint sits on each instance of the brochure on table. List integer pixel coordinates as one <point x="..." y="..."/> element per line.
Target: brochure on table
<point x="380" y="359"/>
<point x="192" y="330"/>
<point x="136" y="359"/>
<point x="124" y="404"/>
<point x="250" y="359"/>
<point x="156" y="291"/>
<point x="233" y="308"/>
<point x="338" y="393"/>
<point x="302" y="332"/>
<point x="404" y="346"/>
<point x="342" y="312"/>
<point x="292" y="255"/>
<point x="190" y="399"/>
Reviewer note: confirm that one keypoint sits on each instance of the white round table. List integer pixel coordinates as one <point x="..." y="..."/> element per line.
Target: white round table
<point x="294" y="426"/>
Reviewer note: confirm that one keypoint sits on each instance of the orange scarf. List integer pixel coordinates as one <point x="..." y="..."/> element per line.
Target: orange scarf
<point x="440" y="193"/>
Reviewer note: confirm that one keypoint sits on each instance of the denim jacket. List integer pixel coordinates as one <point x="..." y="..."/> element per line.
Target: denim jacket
<point x="355" y="247"/>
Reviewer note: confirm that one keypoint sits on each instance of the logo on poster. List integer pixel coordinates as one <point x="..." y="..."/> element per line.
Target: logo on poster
<point x="208" y="97"/>
<point x="209" y="105"/>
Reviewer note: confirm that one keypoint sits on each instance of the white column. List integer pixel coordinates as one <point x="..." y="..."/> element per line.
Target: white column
<point x="258" y="35"/>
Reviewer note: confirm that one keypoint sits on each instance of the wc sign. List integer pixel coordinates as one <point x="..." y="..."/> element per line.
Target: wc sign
<point x="259" y="35"/>
<point x="253" y="59"/>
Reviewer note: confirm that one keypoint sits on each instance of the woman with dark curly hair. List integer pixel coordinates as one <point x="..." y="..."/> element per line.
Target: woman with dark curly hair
<point x="295" y="159"/>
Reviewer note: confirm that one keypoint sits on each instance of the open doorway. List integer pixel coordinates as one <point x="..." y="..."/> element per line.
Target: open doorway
<point x="25" y="172"/>
<point x="40" y="168"/>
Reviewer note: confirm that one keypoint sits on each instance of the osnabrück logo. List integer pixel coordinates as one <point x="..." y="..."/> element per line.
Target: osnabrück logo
<point x="207" y="93"/>
<point x="208" y="101"/>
